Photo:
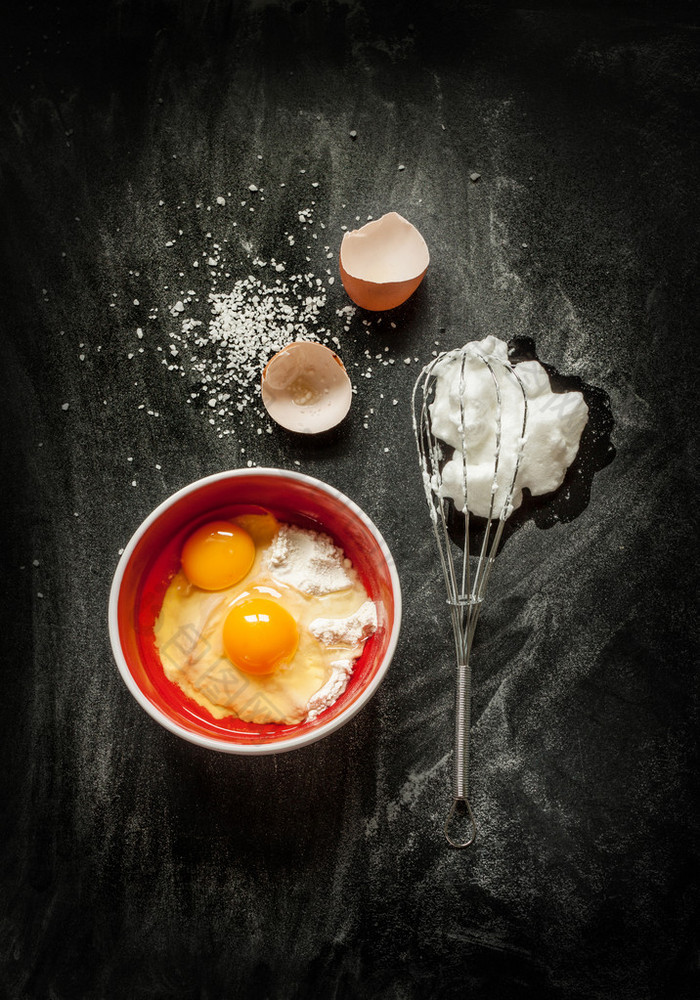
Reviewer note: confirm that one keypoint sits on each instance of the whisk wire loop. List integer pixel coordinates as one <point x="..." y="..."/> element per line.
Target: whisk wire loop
<point x="466" y="584"/>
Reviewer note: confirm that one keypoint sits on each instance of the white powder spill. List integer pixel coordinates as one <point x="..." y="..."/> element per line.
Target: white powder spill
<point x="221" y="318"/>
<point x="246" y="325"/>
<point x="429" y="781"/>
<point x="221" y="341"/>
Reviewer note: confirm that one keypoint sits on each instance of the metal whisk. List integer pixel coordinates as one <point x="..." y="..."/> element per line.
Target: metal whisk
<point x="467" y="573"/>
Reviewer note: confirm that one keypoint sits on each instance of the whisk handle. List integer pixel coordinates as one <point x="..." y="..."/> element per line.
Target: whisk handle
<point x="463" y="708"/>
<point x="461" y="812"/>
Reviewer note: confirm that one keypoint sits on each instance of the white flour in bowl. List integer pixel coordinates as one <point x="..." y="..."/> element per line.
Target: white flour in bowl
<point x="309" y="561"/>
<point x="312" y="563"/>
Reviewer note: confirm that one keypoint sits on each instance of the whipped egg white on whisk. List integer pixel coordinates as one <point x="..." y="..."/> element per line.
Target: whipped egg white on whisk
<point x="481" y="406"/>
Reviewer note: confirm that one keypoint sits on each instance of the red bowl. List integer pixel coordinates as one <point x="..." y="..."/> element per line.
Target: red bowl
<point x="153" y="556"/>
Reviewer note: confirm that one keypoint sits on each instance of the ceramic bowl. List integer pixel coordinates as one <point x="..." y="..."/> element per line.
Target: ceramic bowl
<point x="153" y="555"/>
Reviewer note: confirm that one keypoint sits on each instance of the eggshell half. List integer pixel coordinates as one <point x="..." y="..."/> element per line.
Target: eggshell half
<point x="383" y="263"/>
<point x="305" y="388"/>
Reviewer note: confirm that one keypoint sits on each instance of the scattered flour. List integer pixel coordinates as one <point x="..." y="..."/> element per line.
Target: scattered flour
<point x="247" y="324"/>
<point x="222" y="318"/>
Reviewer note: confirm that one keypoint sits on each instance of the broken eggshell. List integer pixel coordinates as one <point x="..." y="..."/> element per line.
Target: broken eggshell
<point x="305" y="388"/>
<point x="383" y="263"/>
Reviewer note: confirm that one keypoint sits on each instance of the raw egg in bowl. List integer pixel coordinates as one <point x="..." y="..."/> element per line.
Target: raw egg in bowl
<point x="211" y="544"/>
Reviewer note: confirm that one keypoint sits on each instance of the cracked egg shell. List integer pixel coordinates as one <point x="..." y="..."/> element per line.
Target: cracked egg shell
<point x="383" y="263"/>
<point x="305" y="388"/>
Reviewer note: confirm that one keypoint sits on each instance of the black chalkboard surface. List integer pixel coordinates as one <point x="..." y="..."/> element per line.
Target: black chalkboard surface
<point x="168" y="166"/>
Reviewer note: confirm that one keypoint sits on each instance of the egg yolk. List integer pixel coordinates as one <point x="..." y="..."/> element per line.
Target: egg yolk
<point x="259" y="635"/>
<point x="217" y="555"/>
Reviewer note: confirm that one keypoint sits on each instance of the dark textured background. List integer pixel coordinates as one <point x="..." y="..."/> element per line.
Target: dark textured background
<point x="135" y="865"/>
